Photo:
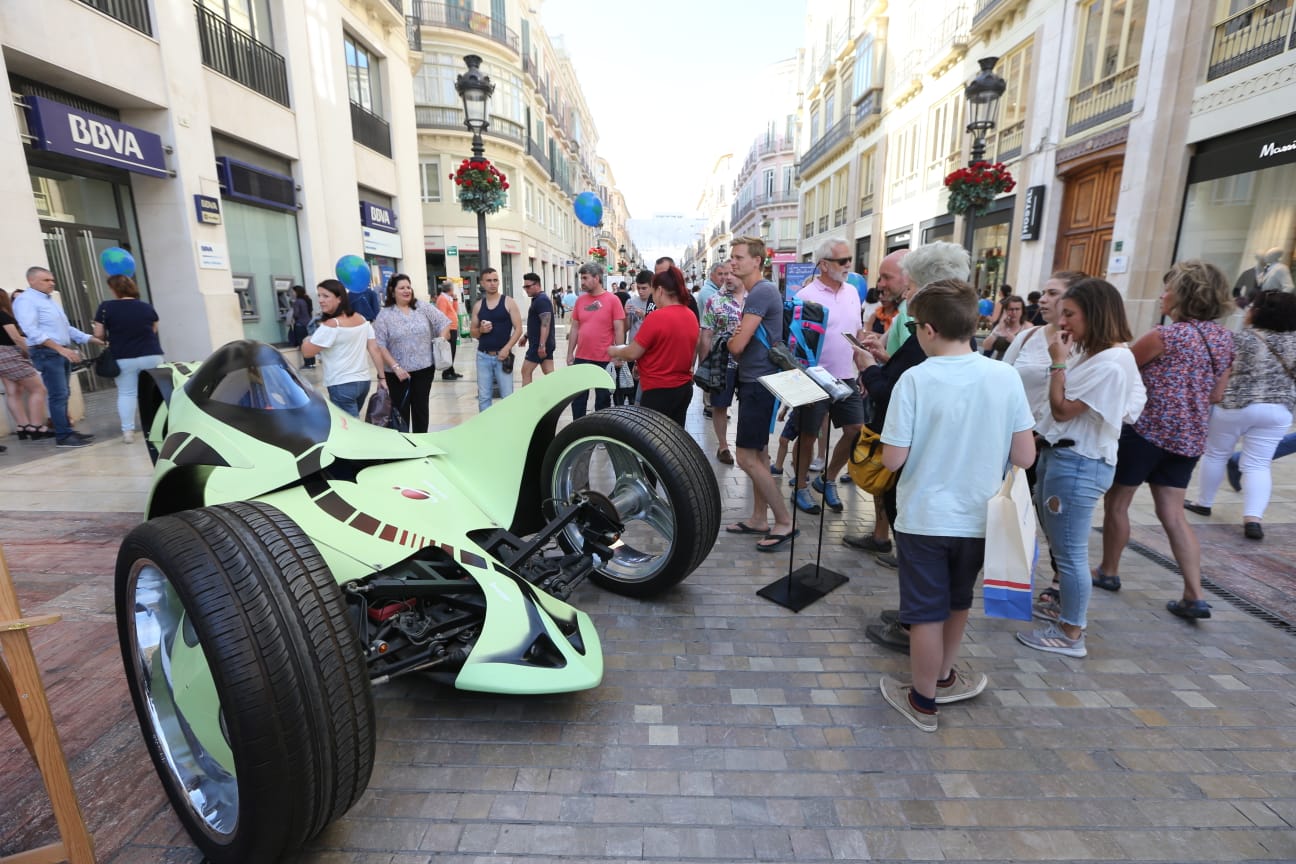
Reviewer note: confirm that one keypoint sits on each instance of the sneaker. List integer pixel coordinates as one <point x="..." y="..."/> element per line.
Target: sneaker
<point x="867" y="543"/>
<point x="73" y="440"/>
<point x="776" y="470"/>
<point x="1054" y="641"/>
<point x="801" y="498"/>
<point x="888" y="561"/>
<point x="128" y="437"/>
<point x="1234" y="472"/>
<point x="967" y="685"/>
<point x="846" y="478"/>
<point x="889" y="635"/>
<point x="829" y="490"/>
<point x="897" y="696"/>
<point x="1046" y="610"/>
<point x="816" y="464"/>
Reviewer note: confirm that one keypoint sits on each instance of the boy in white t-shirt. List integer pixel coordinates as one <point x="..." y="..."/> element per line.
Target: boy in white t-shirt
<point x="954" y="423"/>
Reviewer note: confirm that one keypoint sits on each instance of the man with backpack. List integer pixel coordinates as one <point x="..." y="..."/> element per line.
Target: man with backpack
<point x="841" y="301"/>
<point x="763" y="309"/>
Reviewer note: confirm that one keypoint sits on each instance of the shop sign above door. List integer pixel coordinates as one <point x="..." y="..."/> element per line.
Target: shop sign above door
<point x="60" y="128"/>
<point x="376" y="216"/>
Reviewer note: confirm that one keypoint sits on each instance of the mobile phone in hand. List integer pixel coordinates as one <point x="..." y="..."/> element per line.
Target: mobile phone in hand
<point x="851" y="339"/>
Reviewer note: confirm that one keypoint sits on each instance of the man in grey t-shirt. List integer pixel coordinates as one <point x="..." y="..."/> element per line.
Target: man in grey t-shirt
<point x="763" y="308"/>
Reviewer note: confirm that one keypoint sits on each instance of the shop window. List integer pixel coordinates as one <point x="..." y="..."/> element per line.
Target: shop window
<point x="250" y="16"/>
<point x="1231" y="220"/>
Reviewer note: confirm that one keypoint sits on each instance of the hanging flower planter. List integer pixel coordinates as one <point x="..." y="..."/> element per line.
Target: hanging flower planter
<point x="481" y="186"/>
<point x="973" y="189"/>
<point x="598" y="253"/>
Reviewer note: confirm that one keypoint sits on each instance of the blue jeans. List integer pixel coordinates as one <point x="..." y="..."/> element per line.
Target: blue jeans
<point x="128" y="386"/>
<point x="55" y="371"/>
<point x="1068" y="487"/>
<point x="350" y="396"/>
<point x="602" y="398"/>
<point x="491" y="371"/>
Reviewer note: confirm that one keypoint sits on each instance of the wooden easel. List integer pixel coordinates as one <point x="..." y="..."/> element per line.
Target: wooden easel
<point x="22" y="696"/>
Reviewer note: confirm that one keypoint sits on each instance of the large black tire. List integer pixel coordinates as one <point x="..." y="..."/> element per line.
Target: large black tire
<point x="242" y="584"/>
<point x="661" y="484"/>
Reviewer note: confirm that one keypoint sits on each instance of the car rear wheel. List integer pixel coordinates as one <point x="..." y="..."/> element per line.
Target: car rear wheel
<point x="659" y="482"/>
<point x="248" y="681"/>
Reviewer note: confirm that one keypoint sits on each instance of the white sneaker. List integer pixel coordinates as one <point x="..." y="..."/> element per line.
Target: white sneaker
<point x="816" y="464"/>
<point x="128" y="437"/>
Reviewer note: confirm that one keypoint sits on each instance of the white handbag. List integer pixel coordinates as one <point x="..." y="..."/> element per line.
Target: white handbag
<point x="1010" y="550"/>
<point x="441" y="358"/>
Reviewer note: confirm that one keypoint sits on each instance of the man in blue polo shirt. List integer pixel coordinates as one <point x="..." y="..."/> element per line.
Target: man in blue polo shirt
<point x="50" y="337"/>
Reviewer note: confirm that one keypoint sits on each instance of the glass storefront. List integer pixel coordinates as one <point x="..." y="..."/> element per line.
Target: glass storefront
<point x="1240" y="204"/>
<point x="264" y="255"/>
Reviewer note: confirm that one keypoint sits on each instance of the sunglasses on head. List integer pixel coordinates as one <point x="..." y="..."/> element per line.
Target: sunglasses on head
<point x="840" y="262"/>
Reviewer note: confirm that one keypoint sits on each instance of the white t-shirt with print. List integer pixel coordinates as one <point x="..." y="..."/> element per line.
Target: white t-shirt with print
<point x="345" y="354"/>
<point x="1110" y="384"/>
<point x="957" y="416"/>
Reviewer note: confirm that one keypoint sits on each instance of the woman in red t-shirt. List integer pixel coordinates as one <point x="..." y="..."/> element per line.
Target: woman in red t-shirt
<point x="665" y="347"/>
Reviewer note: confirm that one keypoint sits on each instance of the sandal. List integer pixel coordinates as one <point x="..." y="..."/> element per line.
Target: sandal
<point x="1104" y="581"/>
<point x="1193" y="610"/>
<point x="1050" y="595"/>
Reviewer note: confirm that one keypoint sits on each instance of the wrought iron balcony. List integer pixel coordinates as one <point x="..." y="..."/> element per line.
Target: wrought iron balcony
<point x="234" y="54"/>
<point x="1252" y="35"/>
<point x="462" y="18"/>
<point x="1110" y="98"/>
<point x="1010" y="141"/>
<point x="536" y="152"/>
<point x="445" y="117"/>
<point x="370" y="130"/>
<point x="132" y="13"/>
<point x="869" y="108"/>
<point x="866" y="204"/>
<point x="413" y="33"/>
<point x="838" y="133"/>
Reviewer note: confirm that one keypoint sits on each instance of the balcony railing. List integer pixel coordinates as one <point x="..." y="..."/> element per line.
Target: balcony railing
<point x="823" y="224"/>
<point x="398" y="5"/>
<point x="460" y="18"/>
<point x="536" y="152"/>
<point x="868" y="107"/>
<point x="741" y="209"/>
<point x="1110" y="98"/>
<point x="839" y="217"/>
<point x="234" y="54"/>
<point x="809" y="229"/>
<point x="444" y="117"/>
<point x="838" y="133"/>
<point x="132" y="13"/>
<point x="529" y="67"/>
<point x="866" y="204"/>
<point x="983" y="9"/>
<point x="413" y="33"/>
<point x="951" y="39"/>
<point x="1250" y="36"/>
<point x="1010" y="141"/>
<point x="370" y="130"/>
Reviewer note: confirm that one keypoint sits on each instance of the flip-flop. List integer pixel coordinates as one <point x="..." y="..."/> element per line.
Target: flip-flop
<point x="779" y="540"/>
<point x="744" y="528"/>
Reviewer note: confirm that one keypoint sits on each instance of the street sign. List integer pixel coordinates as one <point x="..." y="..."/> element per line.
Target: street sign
<point x="452" y="251"/>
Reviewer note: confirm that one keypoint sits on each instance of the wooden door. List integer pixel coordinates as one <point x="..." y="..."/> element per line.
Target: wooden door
<point x="1088" y="216"/>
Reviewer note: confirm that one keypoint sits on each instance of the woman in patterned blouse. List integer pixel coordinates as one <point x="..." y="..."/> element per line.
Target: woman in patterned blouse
<point x="405" y="330"/>
<point x="1185" y="366"/>
<point x="1257" y="407"/>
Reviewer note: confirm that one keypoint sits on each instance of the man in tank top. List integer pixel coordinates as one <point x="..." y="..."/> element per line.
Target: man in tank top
<point x="497" y="326"/>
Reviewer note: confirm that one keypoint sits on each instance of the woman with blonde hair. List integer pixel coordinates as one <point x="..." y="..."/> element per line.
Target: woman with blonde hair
<point x="1185" y="366"/>
<point x="24" y="388"/>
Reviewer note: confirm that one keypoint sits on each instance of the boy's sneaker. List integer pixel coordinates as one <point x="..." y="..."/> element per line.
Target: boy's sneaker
<point x="966" y="686"/>
<point x="801" y="498"/>
<point x="1054" y="641"/>
<point x="816" y="464"/>
<point x="897" y="696"/>
<point x="829" y="491"/>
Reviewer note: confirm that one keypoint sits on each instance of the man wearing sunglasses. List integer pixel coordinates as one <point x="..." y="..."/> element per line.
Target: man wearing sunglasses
<point x="831" y="290"/>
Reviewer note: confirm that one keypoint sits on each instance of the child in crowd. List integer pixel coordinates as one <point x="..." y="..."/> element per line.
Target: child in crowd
<point x="941" y="513"/>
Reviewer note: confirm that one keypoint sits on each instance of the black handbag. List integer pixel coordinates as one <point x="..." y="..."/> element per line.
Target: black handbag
<point x="105" y="365"/>
<point x="710" y="373"/>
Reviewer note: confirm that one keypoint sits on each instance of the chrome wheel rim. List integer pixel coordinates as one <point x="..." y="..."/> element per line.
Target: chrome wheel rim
<point x="622" y="475"/>
<point x="179" y="695"/>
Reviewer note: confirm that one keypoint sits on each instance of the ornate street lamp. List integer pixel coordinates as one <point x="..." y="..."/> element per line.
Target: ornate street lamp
<point x="982" y="94"/>
<point x="475" y="89"/>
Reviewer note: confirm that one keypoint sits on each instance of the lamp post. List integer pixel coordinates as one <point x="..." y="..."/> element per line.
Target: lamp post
<point x="982" y="94"/>
<point x="475" y="89"/>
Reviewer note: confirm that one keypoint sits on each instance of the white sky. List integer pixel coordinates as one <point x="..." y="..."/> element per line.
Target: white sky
<point x="664" y="81"/>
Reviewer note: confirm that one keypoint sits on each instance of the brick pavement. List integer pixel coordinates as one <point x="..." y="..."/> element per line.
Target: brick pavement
<point x="727" y="728"/>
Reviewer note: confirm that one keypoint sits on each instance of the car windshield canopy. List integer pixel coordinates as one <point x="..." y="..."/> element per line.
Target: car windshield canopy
<point x="248" y="375"/>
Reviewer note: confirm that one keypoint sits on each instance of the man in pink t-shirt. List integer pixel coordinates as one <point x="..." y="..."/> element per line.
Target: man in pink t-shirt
<point x="839" y="297"/>
<point x="597" y="323"/>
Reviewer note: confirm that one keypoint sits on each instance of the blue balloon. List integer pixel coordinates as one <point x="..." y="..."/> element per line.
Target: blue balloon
<point x="569" y="300"/>
<point x="353" y="272"/>
<point x="985" y="308"/>
<point x="116" y="261"/>
<point x="589" y="209"/>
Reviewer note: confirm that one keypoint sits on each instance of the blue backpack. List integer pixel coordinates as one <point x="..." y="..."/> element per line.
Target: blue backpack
<point x="804" y="324"/>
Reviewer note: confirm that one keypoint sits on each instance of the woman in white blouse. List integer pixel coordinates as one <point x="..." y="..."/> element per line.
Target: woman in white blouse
<point x="404" y="330"/>
<point x="345" y="342"/>
<point x="1093" y="387"/>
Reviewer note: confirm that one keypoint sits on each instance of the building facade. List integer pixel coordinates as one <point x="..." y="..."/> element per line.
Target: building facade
<point x="236" y="147"/>
<point x="541" y="135"/>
